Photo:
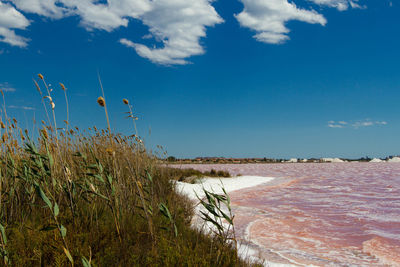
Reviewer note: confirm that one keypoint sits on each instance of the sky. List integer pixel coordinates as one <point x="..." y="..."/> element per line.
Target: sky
<point x="231" y="78"/>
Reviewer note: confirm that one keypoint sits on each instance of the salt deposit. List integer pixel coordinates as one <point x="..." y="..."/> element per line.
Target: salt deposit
<point x="376" y="160"/>
<point x="394" y="159"/>
<point x="214" y="185"/>
<point x="335" y="160"/>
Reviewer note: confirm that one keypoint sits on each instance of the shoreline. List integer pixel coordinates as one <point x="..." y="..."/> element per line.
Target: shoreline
<point x="231" y="185"/>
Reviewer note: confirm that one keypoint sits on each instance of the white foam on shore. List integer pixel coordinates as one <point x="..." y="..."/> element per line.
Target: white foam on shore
<point x="230" y="185"/>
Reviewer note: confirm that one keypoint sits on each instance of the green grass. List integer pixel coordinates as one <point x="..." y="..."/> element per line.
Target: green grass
<point x="95" y="198"/>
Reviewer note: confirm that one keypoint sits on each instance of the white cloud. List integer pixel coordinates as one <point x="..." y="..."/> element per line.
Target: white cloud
<point x="10" y="19"/>
<point x="340" y="5"/>
<point x="179" y="25"/>
<point x="268" y="18"/>
<point x="6" y="87"/>
<point x="355" y="124"/>
<point x="176" y="26"/>
<point x="21" y="107"/>
<point x="359" y="124"/>
<point x="47" y="8"/>
<point x="332" y="125"/>
<point x="94" y="15"/>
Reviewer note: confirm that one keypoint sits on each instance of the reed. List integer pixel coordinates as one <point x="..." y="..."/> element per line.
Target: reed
<point x="68" y="198"/>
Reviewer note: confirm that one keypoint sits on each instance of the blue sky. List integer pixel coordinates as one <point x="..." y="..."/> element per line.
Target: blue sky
<point x="249" y="78"/>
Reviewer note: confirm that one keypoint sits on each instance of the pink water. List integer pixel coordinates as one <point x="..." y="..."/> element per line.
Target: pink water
<point x="334" y="214"/>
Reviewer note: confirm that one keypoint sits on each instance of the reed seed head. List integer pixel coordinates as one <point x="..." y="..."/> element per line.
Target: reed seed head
<point x="109" y="151"/>
<point x="44" y="133"/>
<point x="101" y="101"/>
<point x="2" y="125"/>
<point x="40" y="76"/>
<point x="126" y="102"/>
<point x="63" y="87"/>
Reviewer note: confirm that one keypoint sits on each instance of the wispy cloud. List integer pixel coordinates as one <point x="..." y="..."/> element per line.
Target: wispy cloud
<point x="340" y="5"/>
<point x="21" y="107"/>
<point x="6" y="87"/>
<point x="333" y="125"/>
<point x="355" y="124"/>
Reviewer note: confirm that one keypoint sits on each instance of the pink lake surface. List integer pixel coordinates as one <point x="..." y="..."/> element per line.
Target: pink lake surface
<point x="333" y="214"/>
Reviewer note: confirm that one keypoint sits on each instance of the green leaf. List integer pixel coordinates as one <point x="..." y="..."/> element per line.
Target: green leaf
<point x="165" y="211"/>
<point x="68" y="255"/>
<point x="99" y="177"/>
<point x="207" y="218"/>
<point x="149" y="177"/>
<point x="85" y="262"/>
<point x="48" y="227"/>
<point x="227" y="218"/>
<point x="100" y="167"/>
<point x="63" y="230"/>
<point x="43" y="196"/>
<point x="56" y="209"/>
<point x="3" y="233"/>
<point x="109" y="178"/>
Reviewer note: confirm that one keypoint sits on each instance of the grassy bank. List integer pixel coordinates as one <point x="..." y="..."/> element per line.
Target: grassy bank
<point x="94" y="198"/>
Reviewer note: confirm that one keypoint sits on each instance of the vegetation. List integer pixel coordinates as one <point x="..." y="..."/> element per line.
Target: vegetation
<point x="95" y="198"/>
<point x="191" y="175"/>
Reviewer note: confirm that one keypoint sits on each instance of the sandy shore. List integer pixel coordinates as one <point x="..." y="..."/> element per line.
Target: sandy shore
<point x="230" y="185"/>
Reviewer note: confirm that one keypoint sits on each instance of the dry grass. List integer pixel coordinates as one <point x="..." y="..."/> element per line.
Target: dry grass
<point x="94" y="198"/>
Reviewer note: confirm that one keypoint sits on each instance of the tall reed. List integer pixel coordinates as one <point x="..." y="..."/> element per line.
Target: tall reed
<point x="66" y="199"/>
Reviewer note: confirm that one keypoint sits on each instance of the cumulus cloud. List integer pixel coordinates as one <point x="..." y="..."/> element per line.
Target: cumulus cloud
<point x="179" y="25"/>
<point x="175" y="26"/>
<point x="11" y="19"/>
<point x="47" y="8"/>
<point x="268" y="18"/>
<point x="340" y="5"/>
<point x="355" y="124"/>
